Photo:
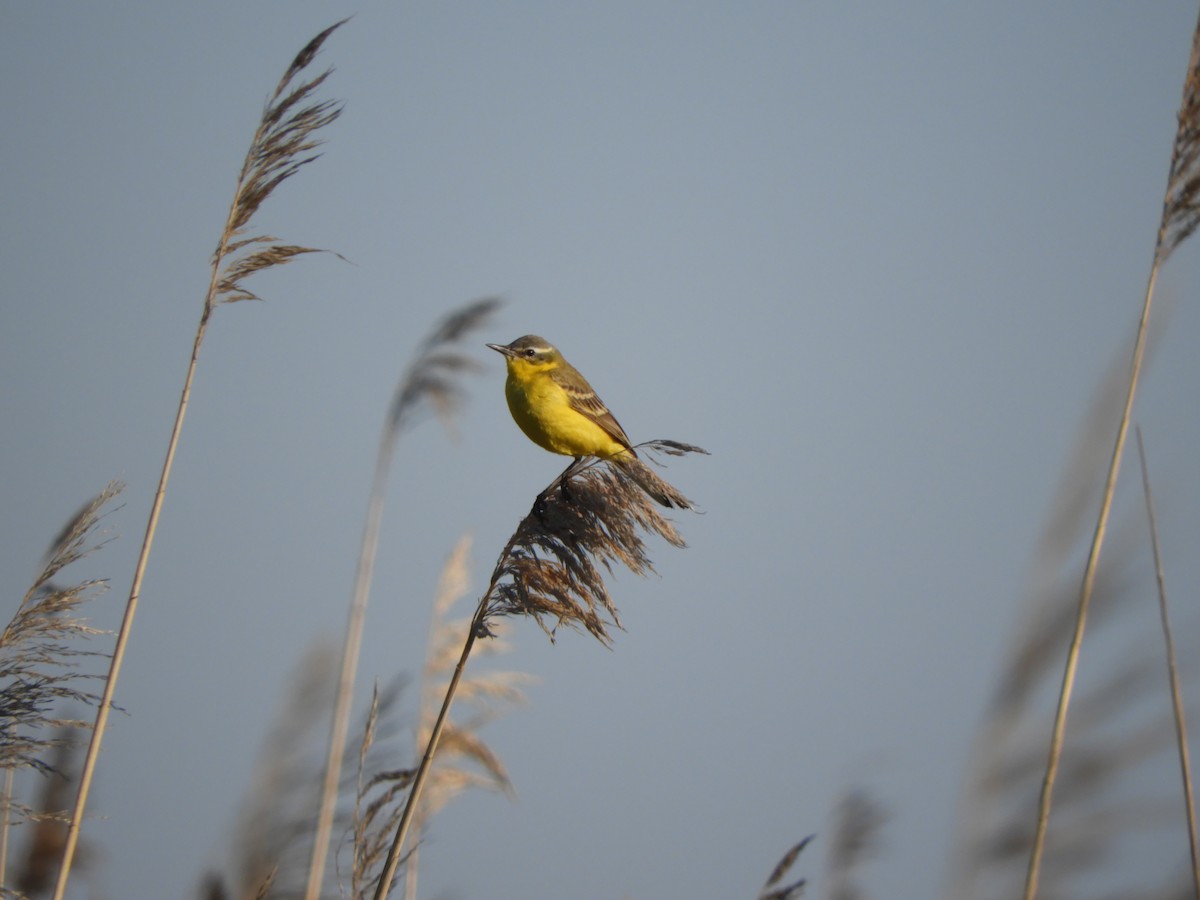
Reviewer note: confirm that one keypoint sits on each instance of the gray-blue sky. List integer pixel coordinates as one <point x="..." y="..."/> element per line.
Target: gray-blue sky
<point x="874" y="258"/>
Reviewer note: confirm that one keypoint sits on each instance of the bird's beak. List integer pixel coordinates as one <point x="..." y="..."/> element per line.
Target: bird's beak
<point x="500" y="348"/>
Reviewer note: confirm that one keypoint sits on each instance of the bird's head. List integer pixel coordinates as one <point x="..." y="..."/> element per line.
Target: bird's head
<point x="529" y="353"/>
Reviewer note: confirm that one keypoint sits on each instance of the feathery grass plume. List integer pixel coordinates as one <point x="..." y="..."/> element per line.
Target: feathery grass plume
<point x="40" y="651"/>
<point x="48" y="823"/>
<point x="464" y="760"/>
<point x="553" y="566"/>
<point x="377" y="801"/>
<point x="432" y="378"/>
<point x="40" y="661"/>
<point x="283" y="143"/>
<point x="271" y="839"/>
<point x="1112" y="732"/>
<point x="1181" y="734"/>
<point x="1180" y="216"/>
<point x="773" y="889"/>
<point x="1181" y="205"/>
<point x="859" y="821"/>
<point x="551" y="569"/>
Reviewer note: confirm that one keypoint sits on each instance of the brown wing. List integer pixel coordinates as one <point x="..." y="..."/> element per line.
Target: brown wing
<point x="584" y="400"/>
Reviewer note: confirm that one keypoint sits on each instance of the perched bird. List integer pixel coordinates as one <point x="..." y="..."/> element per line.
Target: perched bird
<point x="558" y="410"/>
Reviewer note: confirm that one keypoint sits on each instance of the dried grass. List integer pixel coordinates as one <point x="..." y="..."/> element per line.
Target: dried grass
<point x="554" y="565"/>
<point x="433" y="379"/>
<point x="283" y="143"/>
<point x="773" y="888"/>
<point x="855" y="837"/>
<point x="464" y="759"/>
<point x="41" y="658"/>
<point x="552" y="569"/>
<point x="1111" y="731"/>
<point x="41" y="650"/>
<point x="1180" y="216"/>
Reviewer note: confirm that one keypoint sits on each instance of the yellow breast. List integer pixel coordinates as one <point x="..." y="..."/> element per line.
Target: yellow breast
<point x="542" y="409"/>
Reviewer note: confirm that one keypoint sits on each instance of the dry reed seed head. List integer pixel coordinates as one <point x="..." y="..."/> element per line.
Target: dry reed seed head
<point x="1181" y="206"/>
<point x="40" y="650"/>
<point x="433" y="376"/>
<point x="785" y="892"/>
<point x="461" y="322"/>
<point x="307" y="54"/>
<point x="284" y="142"/>
<point x="551" y="568"/>
<point x="488" y="692"/>
<point x="859" y="822"/>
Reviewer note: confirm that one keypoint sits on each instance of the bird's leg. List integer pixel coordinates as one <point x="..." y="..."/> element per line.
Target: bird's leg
<point x="566" y="477"/>
<point x="539" y="505"/>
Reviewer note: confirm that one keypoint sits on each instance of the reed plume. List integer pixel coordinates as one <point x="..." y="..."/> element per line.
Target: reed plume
<point x="552" y="569"/>
<point x="378" y="798"/>
<point x="272" y="837"/>
<point x="40" y="672"/>
<point x="40" y="651"/>
<point x="1181" y="204"/>
<point x="774" y="888"/>
<point x="465" y="760"/>
<point x="553" y="566"/>
<point x="1111" y="731"/>
<point x="284" y="142"/>
<point x="272" y="841"/>
<point x="856" y="830"/>
<point x="1180" y="216"/>
<point x="433" y="379"/>
<point x="38" y="862"/>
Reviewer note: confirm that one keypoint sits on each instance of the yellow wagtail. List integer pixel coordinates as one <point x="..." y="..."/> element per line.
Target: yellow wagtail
<point x="558" y="410"/>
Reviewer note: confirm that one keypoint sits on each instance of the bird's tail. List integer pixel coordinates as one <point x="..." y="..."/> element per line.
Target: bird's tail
<point x="646" y="478"/>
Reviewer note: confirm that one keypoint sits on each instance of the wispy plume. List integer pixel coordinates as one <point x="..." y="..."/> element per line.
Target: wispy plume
<point x="432" y="379"/>
<point x="856" y="832"/>
<point x="1116" y="726"/>
<point x="464" y="759"/>
<point x="554" y="565"/>
<point x="552" y="569"/>
<point x="284" y="142"/>
<point x="379" y="796"/>
<point x="41" y="649"/>
<point x="1181" y="205"/>
<point x="775" y="888"/>
<point x="1180" y="216"/>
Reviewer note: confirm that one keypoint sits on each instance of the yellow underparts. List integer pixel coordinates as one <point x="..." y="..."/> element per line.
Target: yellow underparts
<point x="543" y="411"/>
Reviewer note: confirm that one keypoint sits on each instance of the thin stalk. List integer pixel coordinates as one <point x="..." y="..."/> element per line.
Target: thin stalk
<point x="350" y="654"/>
<point x="6" y="805"/>
<point x="1173" y="673"/>
<point x="1085" y="597"/>
<point x="284" y="134"/>
<point x="410" y="807"/>
<point x="430" y="378"/>
<point x="135" y="590"/>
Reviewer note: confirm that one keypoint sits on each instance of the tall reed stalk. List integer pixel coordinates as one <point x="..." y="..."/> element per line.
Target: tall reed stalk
<point x="430" y="379"/>
<point x="552" y="569"/>
<point x="1181" y="734"/>
<point x="283" y="143"/>
<point x="1180" y="217"/>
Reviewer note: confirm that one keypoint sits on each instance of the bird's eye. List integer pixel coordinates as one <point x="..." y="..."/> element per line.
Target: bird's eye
<point x="530" y="352"/>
